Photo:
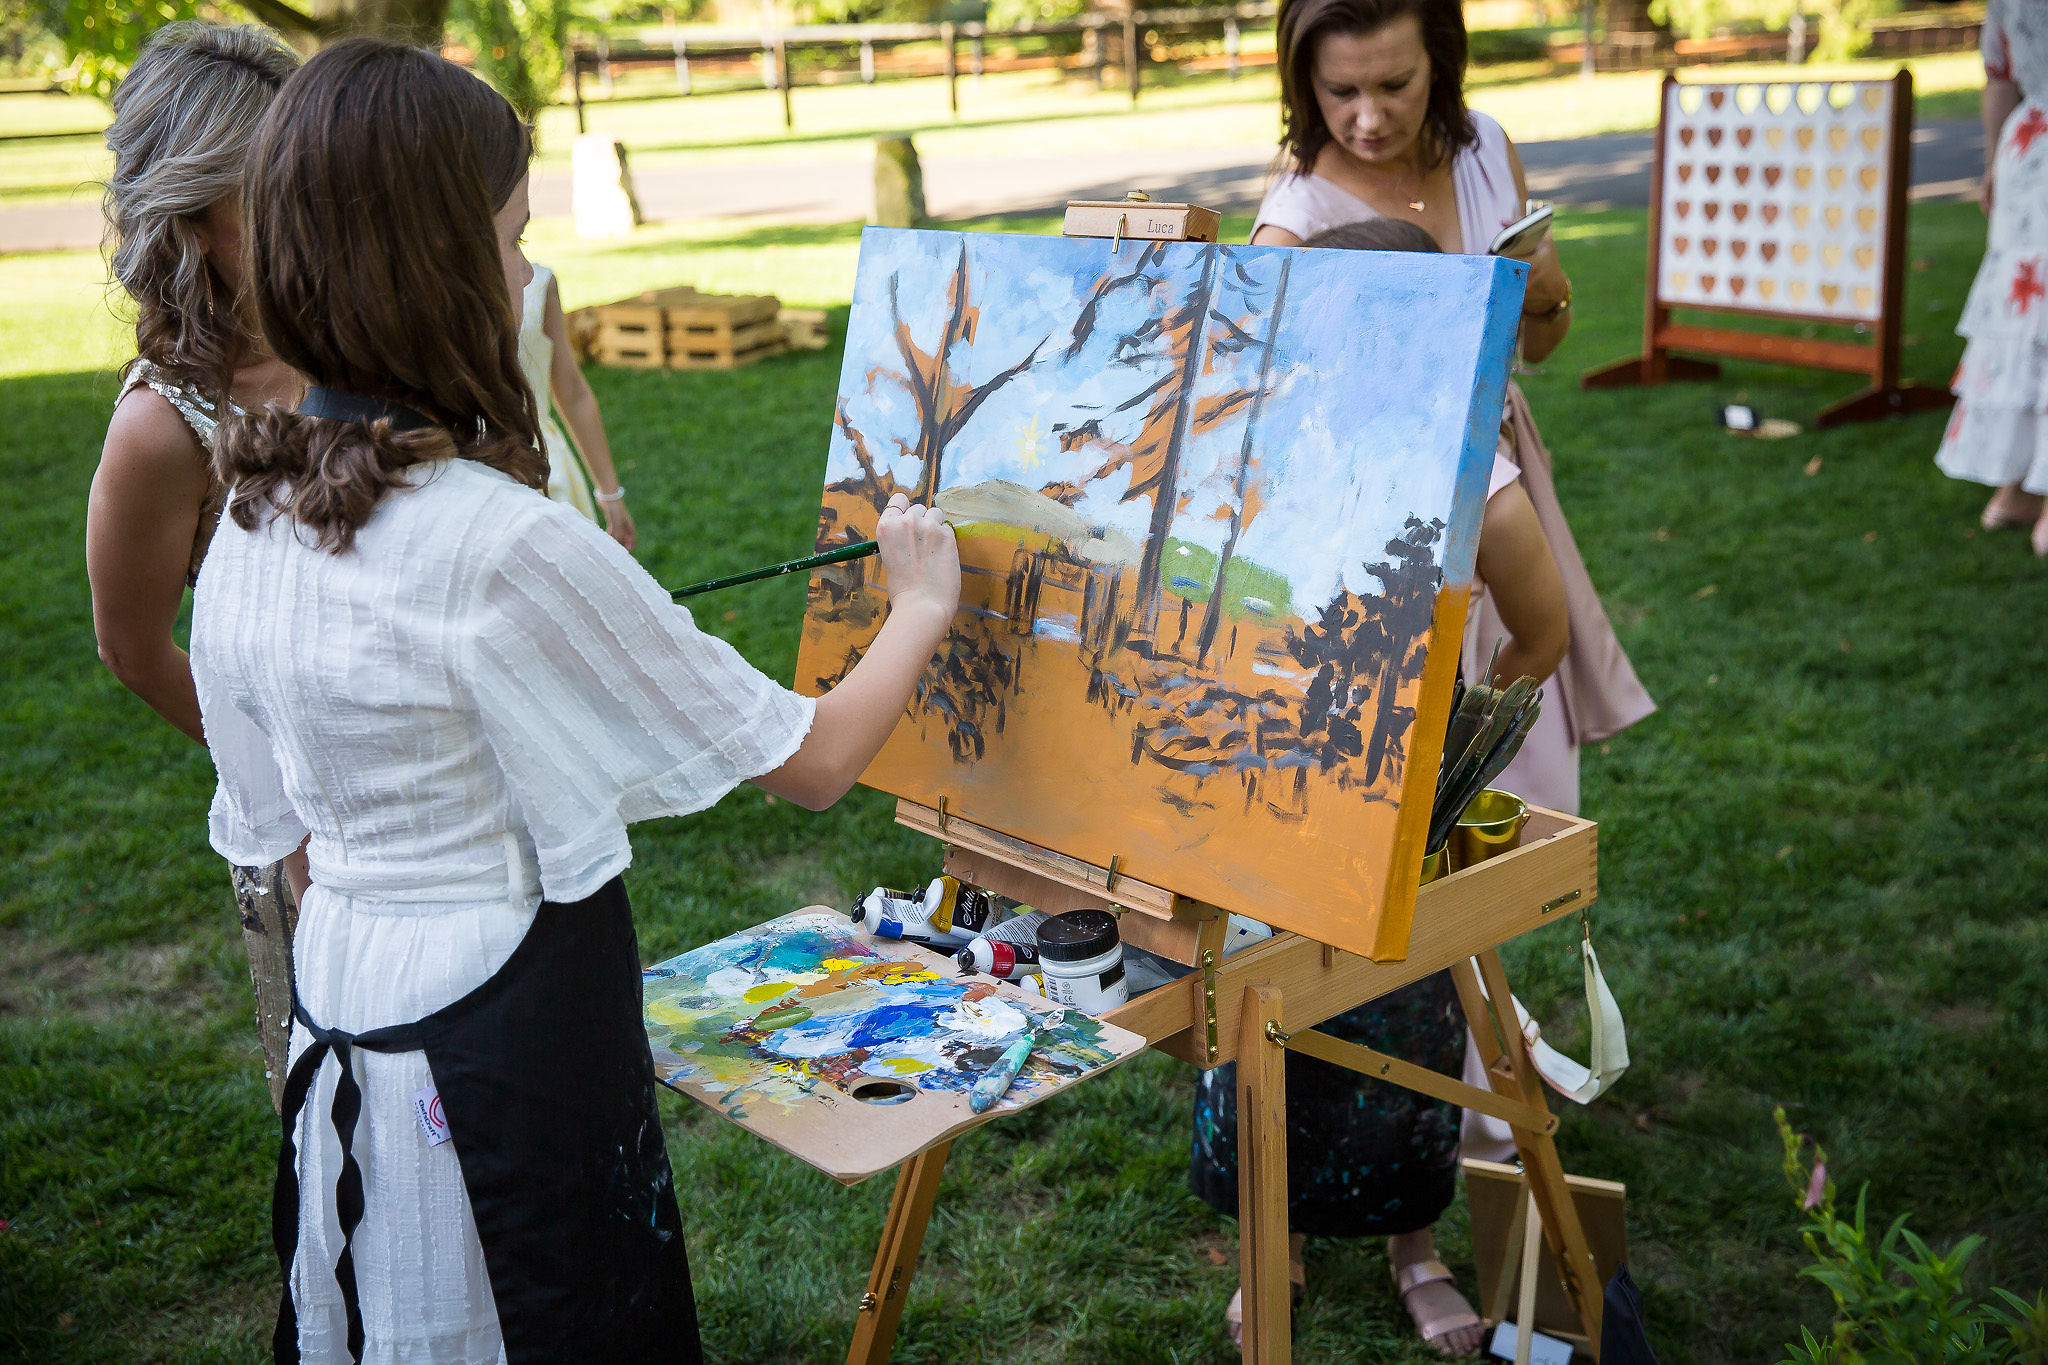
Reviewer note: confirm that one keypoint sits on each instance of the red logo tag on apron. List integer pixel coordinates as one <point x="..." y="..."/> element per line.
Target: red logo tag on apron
<point x="426" y="1107"/>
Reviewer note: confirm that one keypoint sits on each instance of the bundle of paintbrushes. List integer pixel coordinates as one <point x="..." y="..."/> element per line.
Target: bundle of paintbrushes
<point x="1488" y="725"/>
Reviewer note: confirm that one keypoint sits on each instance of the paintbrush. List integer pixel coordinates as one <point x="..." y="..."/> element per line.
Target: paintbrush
<point x="999" y="1078"/>
<point x="858" y="550"/>
<point x="1486" y="731"/>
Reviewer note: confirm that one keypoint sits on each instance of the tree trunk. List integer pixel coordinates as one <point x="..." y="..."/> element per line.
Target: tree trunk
<point x="1151" y="564"/>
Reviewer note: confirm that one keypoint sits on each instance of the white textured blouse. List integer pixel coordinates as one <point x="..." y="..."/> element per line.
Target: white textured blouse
<point x="464" y="711"/>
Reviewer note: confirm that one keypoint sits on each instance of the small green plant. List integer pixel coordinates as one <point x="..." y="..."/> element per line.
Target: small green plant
<point x="1897" y="1300"/>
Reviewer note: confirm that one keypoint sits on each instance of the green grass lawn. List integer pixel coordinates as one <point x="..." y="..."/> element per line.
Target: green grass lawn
<point x="1820" y="884"/>
<point x="1005" y="114"/>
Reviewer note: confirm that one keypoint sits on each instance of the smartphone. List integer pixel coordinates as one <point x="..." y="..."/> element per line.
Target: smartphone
<point x="1523" y="234"/>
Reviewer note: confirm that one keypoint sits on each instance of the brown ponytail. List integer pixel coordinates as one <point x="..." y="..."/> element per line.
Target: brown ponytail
<point x="374" y="266"/>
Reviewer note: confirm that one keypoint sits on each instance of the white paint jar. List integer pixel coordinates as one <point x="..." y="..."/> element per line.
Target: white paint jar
<point x="1082" y="959"/>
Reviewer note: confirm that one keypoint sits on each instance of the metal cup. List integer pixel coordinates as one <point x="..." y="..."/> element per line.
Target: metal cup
<point x="1491" y="825"/>
<point x="1435" y="865"/>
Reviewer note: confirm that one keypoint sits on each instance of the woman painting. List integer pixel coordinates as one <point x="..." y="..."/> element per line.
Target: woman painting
<point x="462" y="693"/>
<point x="183" y="121"/>
<point x="1998" y="433"/>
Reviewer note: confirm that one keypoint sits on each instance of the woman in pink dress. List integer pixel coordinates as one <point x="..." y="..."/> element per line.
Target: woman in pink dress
<point x="1998" y="434"/>
<point x="1374" y="125"/>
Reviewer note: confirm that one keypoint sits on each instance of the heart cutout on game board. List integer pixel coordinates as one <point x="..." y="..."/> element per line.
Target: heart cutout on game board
<point x="1690" y="97"/>
<point x="1772" y="174"/>
<point x="1777" y="97"/>
<point x="1836" y="175"/>
<point x="1797" y="288"/>
<point x="1768" y="250"/>
<point x="1712" y="208"/>
<point x="1830" y="292"/>
<point x="1685" y="135"/>
<point x="1838" y="138"/>
<point x="1742" y="174"/>
<point x="1866" y="219"/>
<point x="1770" y="213"/>
<point x="1865" y="297"/>
<point x="1870" y="136"/>
<point x="1737" y="248"/>
<point x="1800" y="213"/>
<point x="1717" y="97"/>
<point x="1741" y="211"/>
<point x="1775" y="136"/>
<point x="1833" y="213"/>
<point x="1767" y="287"/>
<point x="1713" y="137"/>
<point x="1800" y="251"/>
<point x="1709" y="245"/>
<point x="1831" y="256"/>
<point x="1713" y="174"/>
<point x="1867" y="177"/>
<point x="1805" y="136"/>
<point x="1679" y="280"/>
<point x="1748" y="98"/>
<point x="1684" y="206"/>
<point x="1744" y="136"/>
<point x="1841" y="95"/>
<point x="1810" y="97"/>
<point x="1735" y="283"/>
<point x="1680" y="243"/>
<point x="1802" y="176"/>
<point x="1873" y="96"/>
<point x="1707" y="283"/>
<point x="1684" y="171"/>
<point x="1865" y="256"/>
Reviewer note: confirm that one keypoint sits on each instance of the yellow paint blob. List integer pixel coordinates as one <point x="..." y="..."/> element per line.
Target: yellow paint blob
<point x="767" y="990"/>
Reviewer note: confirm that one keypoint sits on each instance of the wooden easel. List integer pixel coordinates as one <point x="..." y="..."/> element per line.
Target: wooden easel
<point x="1663" y="338"/>
<point x="1253" y="1005"/>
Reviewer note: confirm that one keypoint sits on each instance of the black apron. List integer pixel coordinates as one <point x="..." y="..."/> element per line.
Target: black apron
<point x="548" y="1090"/>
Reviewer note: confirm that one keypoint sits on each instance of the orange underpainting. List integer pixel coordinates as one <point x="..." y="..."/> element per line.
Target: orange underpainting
<point x="1216" y="509"/>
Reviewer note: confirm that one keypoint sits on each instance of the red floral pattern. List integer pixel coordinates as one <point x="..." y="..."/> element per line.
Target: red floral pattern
<point x="2026" y="285"/>
<point x="2027" y="129"/>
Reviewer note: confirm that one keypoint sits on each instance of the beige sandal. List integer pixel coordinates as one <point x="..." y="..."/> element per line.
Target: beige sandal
<point x="1233" y="1316"/>
<point x="1408" y="1279"/>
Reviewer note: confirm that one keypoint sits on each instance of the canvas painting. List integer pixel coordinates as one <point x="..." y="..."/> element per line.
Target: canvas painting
<point x="852" y="1053"/>
<point x="1215" y="506"/>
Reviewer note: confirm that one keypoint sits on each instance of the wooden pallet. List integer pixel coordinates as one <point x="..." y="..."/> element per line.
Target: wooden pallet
<point x="715" y="332"/>
<point x="808" y="329"/>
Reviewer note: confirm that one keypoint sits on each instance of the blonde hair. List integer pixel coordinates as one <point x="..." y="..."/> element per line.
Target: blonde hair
<point x="184" y="120"/>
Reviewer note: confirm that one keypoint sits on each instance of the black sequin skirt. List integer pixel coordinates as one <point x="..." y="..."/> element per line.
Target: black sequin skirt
<point x="1363" y="1158"/>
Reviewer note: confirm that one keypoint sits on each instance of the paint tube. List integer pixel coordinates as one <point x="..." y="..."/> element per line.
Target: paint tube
<point x="966" y="910"/>
<point x="1009" y="950"/>
<point x="882" y="902"/>
<point x="916" y="931"/>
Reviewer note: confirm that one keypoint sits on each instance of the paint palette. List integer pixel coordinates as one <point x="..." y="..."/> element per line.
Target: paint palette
<point x="853" y="1054"/>
<point x="1774" y="197"/>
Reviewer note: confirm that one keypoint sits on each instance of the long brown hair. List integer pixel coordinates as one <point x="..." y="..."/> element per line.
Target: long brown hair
<point x="375" y="270"/>
<point x="183" y="120"/>
<point x="1446" y="125"/>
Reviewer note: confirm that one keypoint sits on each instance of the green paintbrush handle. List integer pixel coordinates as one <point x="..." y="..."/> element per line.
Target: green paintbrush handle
<point x="859" y="550"/>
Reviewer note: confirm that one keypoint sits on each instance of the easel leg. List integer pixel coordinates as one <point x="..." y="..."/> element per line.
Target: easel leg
<point x="1525" y="1306"/>
<point x="1512" y="1073"/>
<point x="881" y="1307"/>
<point x="1262" y="1181"/>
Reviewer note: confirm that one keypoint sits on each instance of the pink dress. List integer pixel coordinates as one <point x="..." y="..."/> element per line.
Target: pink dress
<point x="1594" y="693"/>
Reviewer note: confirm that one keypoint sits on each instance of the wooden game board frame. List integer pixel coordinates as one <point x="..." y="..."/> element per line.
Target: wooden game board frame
<point x="1887" y="394"/>
<point x="1252" y="1006"/>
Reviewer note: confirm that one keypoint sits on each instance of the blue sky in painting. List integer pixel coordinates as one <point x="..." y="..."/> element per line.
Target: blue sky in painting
<point x="1369" y="412"/>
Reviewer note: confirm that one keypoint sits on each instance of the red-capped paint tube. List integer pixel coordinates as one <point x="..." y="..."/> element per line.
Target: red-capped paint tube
<point x="1009" y="950"/>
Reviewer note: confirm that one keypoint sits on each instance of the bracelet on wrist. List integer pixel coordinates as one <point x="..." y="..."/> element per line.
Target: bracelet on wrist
<point x="616" y="495"/>
<point x="1552" y="313"/>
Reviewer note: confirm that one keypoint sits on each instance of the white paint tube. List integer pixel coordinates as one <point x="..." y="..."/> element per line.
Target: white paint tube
<point x="900" y="915"/>
<point x="1009" y="950"/>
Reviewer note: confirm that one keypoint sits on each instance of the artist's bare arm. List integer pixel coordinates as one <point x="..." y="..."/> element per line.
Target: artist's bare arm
<point x="297" y="875"/>
<point x="140" y="522"/>
<point x="2001" y="97"/>
<point x="855" y="718"/>
<point x="1548" y="285"/>
<point x="578" y="406"/>
<point x="1274" y="236"/>
<point x="1521" y="576"/>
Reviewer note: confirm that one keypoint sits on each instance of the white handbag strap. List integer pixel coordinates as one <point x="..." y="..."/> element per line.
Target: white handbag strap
<point x="1578" y="1082"/>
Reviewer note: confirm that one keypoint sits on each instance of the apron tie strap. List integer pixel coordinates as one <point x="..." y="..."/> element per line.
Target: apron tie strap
<point x="348" y="1186"/>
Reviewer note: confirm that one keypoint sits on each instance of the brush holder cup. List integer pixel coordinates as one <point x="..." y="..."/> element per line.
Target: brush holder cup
<point x="1437" y="864"/>
<point x="1491" y="825"/>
